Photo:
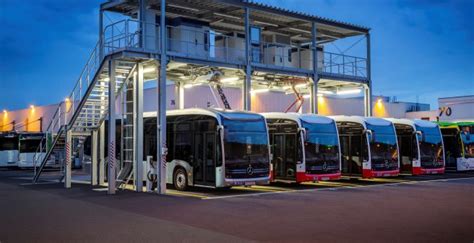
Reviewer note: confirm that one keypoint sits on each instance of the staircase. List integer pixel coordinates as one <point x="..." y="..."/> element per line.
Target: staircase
<point x="84" y="110"/>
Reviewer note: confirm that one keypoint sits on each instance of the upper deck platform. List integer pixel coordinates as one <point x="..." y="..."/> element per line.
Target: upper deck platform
<point x="213" y="32"/>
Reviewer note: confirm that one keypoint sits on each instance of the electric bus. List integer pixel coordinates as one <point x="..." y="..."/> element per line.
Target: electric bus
<point x="459" y="145"/>
<point x="421" y="146"/>
<point x="369" y="146"/>
<point x="8" y="149"/>
<point x="212" y="148"/>
<point x="28" y="146"/>
<point x="305" y="147"/>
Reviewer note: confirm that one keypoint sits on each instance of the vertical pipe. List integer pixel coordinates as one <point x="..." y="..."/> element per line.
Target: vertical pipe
<point x="102" y="154"/>
<point x="101" y="35"/>
<point x="142" y="19"/>
<point x="111" y="131"/>
<point x="179" y="95"/>
<point x="368" y="93"/>
<point x="314" y="87"/>
<point x="161" y="114"/>
<point x="94" y="156"/>
<point x="138" y="128"/>
<point x="68" y="159"/>
<point x="248" y="68"/>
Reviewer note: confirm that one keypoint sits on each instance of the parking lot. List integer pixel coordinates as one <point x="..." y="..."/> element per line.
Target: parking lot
<point x="430" y="208"/>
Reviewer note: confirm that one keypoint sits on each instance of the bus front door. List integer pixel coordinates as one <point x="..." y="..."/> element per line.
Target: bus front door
<point x="284" y="164"/>
<point x="204" y="165"/>
<point x="351" y="149"/>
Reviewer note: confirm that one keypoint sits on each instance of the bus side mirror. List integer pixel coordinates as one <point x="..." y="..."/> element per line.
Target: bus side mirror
<point x="304" y="134"/>
<point x="370" y="134"/>
<point x="420" y="135"/>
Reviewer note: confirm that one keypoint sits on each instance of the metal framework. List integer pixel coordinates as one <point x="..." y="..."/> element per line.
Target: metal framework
<point x="263" y="46"/>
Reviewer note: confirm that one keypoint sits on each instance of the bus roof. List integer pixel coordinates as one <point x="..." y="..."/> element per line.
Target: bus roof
<point x="297" y="117"/>
<point x="413" y="123"/>
<point x="216" y="113"/>
<point x="375" y="121"/>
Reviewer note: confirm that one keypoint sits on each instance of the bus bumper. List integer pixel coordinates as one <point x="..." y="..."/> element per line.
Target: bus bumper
<point x="366" y="173"/>
<point x="422" y="171"/>
<point x="302" y="177"/>
<point x="247" y="181"/>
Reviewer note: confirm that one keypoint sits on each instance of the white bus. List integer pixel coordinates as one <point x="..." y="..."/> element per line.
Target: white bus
<point x="28" y="146"/>
<point x="212" y="148"/>
<point x="369" y="146"/>
<point x="421" y="146"/>
<point x="8" y="149"/>
<point x="305" y="147"/>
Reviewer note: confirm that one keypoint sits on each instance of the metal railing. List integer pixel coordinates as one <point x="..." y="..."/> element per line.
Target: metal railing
<point x="334" y="63"/>
<point x="126" y="34"/>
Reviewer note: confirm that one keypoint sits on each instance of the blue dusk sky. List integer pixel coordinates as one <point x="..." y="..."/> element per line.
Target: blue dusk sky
<point x="421" y="49"/>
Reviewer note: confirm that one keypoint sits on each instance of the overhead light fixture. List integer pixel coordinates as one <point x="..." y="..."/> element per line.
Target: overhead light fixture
<point x="230" y="79"/>
<point x="5" y="111"/>
<point x="306" y="96"/>
<point x="303" y="85"/>
<point x="256" y="91"/>
<point x="348" y="91"/>
<point x="149" y="70"/>
<point x="325" y="92"/>
<point x="320" y="95"/>
<point x="188" y="86"/>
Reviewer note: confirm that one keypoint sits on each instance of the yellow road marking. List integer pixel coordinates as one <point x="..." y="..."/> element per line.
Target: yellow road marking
<point x="254" y="189"/>
<point x="185" y="194"/>
<point x="273" y="188"/>
<point x="383" y="180"/>
<point x="340" y="184"/>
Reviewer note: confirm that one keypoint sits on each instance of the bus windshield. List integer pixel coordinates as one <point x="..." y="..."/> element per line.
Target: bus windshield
<point x="245" y="141"/>
<point x="383" y="147"/>
<point x="431" y="147"/>
<point x="321" y="147"/>
<point x="8" y="143"/>
<point x="29" y="145"/>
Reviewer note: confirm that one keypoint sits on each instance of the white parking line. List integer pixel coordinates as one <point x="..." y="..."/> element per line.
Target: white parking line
<point x="334" y="189"/>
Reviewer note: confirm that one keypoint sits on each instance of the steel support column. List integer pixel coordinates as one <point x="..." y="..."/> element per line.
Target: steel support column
<point x="94" y="157"/>
<point x="68" y="158"/>
<point x="314" y="86"/>
<point x="247" y="84"/>
<point x="161" y="107"/>
<point x="111" y="178"/>
<point x="368" y="87"/>
<point x="138" y="128"/>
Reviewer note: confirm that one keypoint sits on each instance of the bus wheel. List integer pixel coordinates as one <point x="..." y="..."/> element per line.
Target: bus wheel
<point x="180" y="180"/>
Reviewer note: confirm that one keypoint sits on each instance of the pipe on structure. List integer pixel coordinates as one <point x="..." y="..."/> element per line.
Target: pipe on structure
<point x="138" y="128"/>
<point x="94" y="157"/>
<point x="247" y="84"/>
<point x="368" y="87"/>
<point x="67" y="168"/>
<point x="111" y="178"/>
<point x="101" y="179"/>
<point x="101" y="35"/>
<point x="161" y="114"/>
<point x="314" y="85"/>
<point x="179" y="95"/>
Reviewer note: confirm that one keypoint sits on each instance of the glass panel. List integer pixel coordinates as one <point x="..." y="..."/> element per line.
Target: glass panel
<point x="383" y="147"/>
<point x="8" y="143"/>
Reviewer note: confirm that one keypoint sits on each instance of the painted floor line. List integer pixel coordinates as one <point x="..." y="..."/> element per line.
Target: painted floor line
<point x="333" y="189"/>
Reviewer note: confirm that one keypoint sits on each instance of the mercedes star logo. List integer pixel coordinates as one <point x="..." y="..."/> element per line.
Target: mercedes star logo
<point x="250" y="170"/>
